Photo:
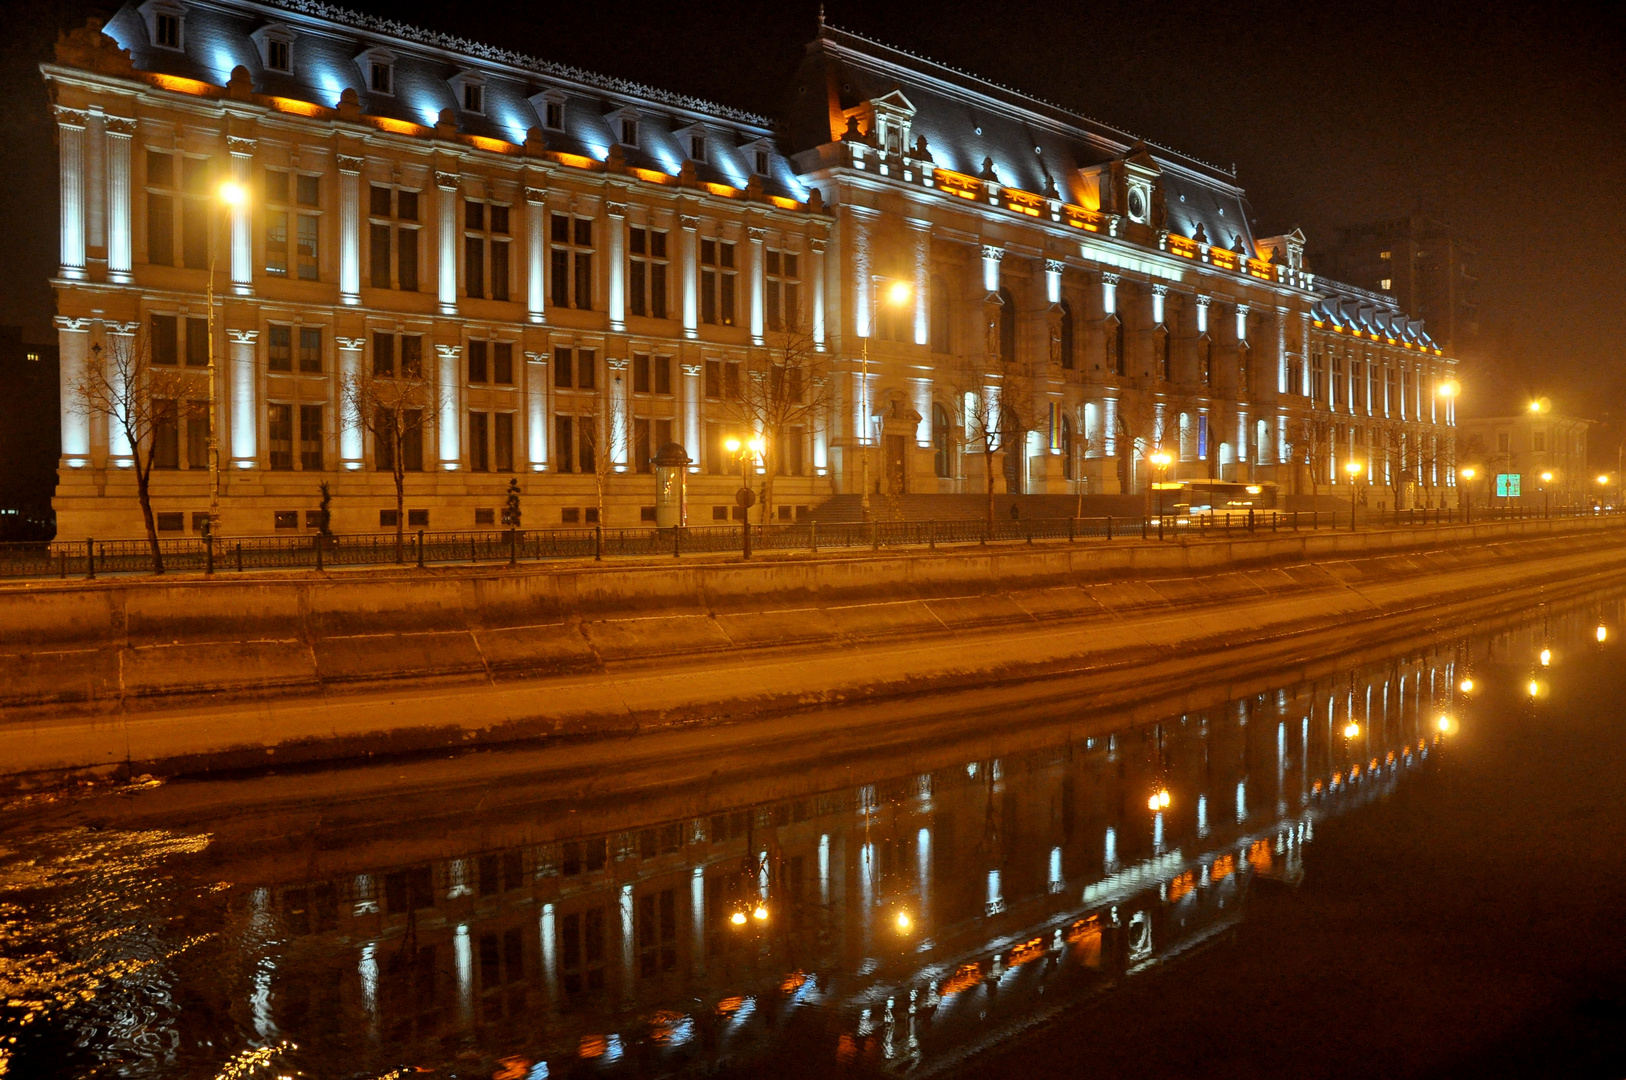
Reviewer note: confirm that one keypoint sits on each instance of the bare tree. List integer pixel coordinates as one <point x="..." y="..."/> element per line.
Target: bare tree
<point x="1307" y="445"/>
<point x="599" y="433"/>
<point x="1142" y="427"/>
<point x="785" y="390"/>
<point x="145" y="404"/>
<point x="1398" y="457"/>
<point x="395" y="403"/>
<point x="997" y="399"/>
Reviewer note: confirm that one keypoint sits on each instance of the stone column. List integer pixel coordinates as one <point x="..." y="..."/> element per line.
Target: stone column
<point x="921" y="233"/>
<point x="71" y="149"/>
<point x="991" y="257"/>
<point x="1109" y="296"/>
<point x="1160" y="297"/>
<point x="350" y="229"/>
<point x="73" y="344"/>
<point x="352" y="444"/>
<point x="616" y="262"/>
<point x="816" y="247"/>
<point x="1202" y="313"/>
<point x="690" y="404"/>
<point x="448" y="386"/>
<point x="536" y="287"/>
<point x="1283" y="375"/>
<point x="243" y="386"/>
<point x="446" y="185"/>
<point x="754" y="280"/>
<point x="537" y="412"/>
<point x="620" y="433"/>
<point x="242" y="217"/>
<point x="120" y="131"/>
<point x="689" y="253"/>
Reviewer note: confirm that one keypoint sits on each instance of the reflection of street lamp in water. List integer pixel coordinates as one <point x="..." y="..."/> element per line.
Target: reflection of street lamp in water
<point x="897" y="294"/>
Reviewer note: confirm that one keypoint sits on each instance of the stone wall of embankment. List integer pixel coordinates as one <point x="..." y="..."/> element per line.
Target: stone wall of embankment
<point x="86" y="647"/>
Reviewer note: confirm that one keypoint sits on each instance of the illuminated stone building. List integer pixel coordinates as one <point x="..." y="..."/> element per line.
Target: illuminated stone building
<point x="580" y="270"/>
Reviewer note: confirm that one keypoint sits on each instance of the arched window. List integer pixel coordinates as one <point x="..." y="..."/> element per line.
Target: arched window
<point x="942" y="458"/>
<point x="939" y="304"/>
<point x="1067" y="447"/>
<point x="1007" y="326"/>
<point x="1066" y="337"/>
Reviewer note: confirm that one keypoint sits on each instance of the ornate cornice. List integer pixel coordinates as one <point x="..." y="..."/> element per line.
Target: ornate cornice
<point x="536" y="195"/>
<point x="70" y="117"/>
<point x="1054" y="266"/>
<point x="756" y="235"/>
<point x="236" y="144"/>
<point x="1109" y="279"/>
<point x="688" y="221"/>
<point x="349" y="163"/>
<point x="616" y="209"/>
<point x="447" y="180"/>
<point x="123" y="127"/>
<point x="994" y="252"/>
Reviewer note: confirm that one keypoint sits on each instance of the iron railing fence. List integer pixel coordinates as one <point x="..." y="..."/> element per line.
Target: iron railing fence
<point x="92" y="557"/>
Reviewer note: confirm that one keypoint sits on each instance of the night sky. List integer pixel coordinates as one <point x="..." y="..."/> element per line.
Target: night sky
<point x="1505" y="121"/>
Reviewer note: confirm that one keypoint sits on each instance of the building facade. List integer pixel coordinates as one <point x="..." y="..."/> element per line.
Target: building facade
<point x="1512" y="455"/>
<point x="913" y="280"/>
<point x="1423" y="266"/>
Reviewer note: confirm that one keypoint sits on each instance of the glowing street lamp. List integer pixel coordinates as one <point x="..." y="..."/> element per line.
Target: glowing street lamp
<point x="1162" y="459"/>
<point x="1603" y="633"/>
<point x="746" y="451"/>
<point x="1353" y="468"/>
<point x="1450" y="388"/>
<point x="897" y="295"/>
<point x="1546" y="505"/>
<point x="1467" y="473"/>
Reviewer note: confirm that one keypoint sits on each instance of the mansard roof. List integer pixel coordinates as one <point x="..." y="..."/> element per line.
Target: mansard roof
<point x="1358" y="311"/>
<point x="330" y="40"/>
<point x="1032" y="143"/>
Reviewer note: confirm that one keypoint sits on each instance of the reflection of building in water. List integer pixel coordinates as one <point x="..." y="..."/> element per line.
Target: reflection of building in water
<point x="918" y="911"/>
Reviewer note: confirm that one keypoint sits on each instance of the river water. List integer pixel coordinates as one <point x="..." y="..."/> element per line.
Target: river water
<point x="1409" y="864"/>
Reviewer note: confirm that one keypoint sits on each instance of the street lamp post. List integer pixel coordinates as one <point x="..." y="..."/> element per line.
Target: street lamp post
<point x="1353" y="468"/>
<point x="898" y="294"/>
<point x="747" y="452"/>
<point x="1467" y="492"/>
<point x="1603" y="487"/>
<point x="231" y="195"/>
<point x="1546" y="504"/>
<point x="1161" y="458"/>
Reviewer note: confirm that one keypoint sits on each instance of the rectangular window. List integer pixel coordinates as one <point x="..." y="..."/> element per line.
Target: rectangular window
<point x="279" y="354"/>
<point x="502" y="436"/>
<point x="418" y="518"/>
<point x="165" y="347"/>
<point x="310" y="349"/>
<point x="474" y="98"/>
<point x="310" y="437"/>
<point x="587" y="445"/>
<point x="563" y="369"/>
<point x="166" y="443"/>
<point x="784" y="290"/>
<point x="278" y="55"/>
<point x="582" y="952"/>
<point x="280" y="430"/>
<point x="411" y="356"/>
<point x="379" y="77"/>
<point x="553" y="116"/>
<point x="195" y="202"/>
<point x="474" y="265"/>
<point x="642" y="452"/>
<point x="479" y="442"/>
<point x="657" y="930"/>
<point x="502" y="363"/>
<point x="307" y="254"/>
<point x="477" y="361"/>
<point x="412" y="443"/>
<point x="571" y="261"/>
<point x="1337" y="380"/>
<point x="161" y="197"/>
<point x="197" y="435"/>
<point x="383" y="355"/>
<point x="564" y="444"/>
<point x="292" y="224"/>
<point x="392" y="231"/>
<point x="1538" y="441"/>
<point x="586" y="369"/>
<point x="717" y="275"/>
<point x="640" y="374"/>
<point x="646" y="272"/>
<point x="169" y="30"/>
<point x="197" y="342"/>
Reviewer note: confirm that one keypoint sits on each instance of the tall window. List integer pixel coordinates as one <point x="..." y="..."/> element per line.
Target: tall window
<point x="646" y="272"/>
<point x="939" y="301"/>
<point x="722" y="381"/>
<point x="1318" y="374"/>
<point x="197" y="342"/>
<point x="575" y="368"/>
<point x="573" y="443"/>
<point x="479" y="442"/>
<point x="717" y="282"/>
<point x="942" y="445"/>
<point x="398" y="355"/>
<point x="571" y="263"/>
<point x="784" y="288"/>
<point x="485" y="249"/>
<point x="553" y="116"/>
<point x="393" y="237"/>
<point x="1388" y="389"/>
<point x="651" y="374"/>
<point x="1338" y="395"/>
<point x="582" y="951"/>
<point x="292" y="217"/>
<point x="491" y="362"/>
<point x="648" y="436"/>
<point x="657" y="929"/>
<point x="310" y="437"/>
<point x="502" y="435"/>
<point x="280" y="428"/>
<point x="161" y="199"/>
<point x="1066" y="448"/>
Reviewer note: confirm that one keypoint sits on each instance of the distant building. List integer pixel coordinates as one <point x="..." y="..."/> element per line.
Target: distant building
<point x="30" y="435"/>
<point x="1512" y="452"/>
<point x="559" y="254"/>
<point x="1422" y="265"/>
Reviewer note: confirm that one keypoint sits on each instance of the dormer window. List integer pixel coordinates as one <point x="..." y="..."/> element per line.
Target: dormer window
<point x="378" y="65"/>
<point x="165" y="23"/>
<point x="470" y="88"/>
<point x="762" y="163"/>
<point x="276" y="44"/>
<point x="697" y="147"/>
<point x="629" y="131"/>
<point x="551" y="107"/>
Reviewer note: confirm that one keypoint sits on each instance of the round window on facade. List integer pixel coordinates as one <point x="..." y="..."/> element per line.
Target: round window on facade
<point x="1137" y="204"/>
